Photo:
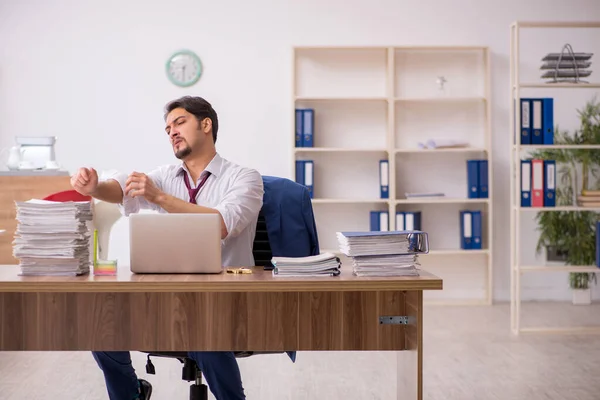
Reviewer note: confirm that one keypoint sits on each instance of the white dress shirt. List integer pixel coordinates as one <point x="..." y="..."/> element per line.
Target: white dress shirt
<point x="235" y="191"/>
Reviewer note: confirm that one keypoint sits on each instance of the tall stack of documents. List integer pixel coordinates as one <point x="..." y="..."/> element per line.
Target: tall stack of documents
<point x="324" y="264"/>
<point x="393" y="253"/>
<point x="53" y="238"/>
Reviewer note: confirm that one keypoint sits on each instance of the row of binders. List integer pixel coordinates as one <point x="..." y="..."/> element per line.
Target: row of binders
<point x="305" y="127"/>
<point x="537" y="120"/>
<point x="477" y="179"/>
<point x="384" y="253"/>
<point x="538" y="183"/>
<point x="405" y="221"/>
<point x="470" y="230"/>
<point x="305" y="176"/>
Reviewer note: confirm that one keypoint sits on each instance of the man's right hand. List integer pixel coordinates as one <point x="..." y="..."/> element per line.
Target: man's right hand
<point x="85" y="181"/>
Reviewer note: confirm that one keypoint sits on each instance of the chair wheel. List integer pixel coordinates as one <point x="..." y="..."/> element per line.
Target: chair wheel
<point x="198" y="392"/>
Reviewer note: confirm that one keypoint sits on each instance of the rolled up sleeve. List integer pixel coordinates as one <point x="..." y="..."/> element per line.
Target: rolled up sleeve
<point x="242" y="203"/>
<point x="132" y="205"/>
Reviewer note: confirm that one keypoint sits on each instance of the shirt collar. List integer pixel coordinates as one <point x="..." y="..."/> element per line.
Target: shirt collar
<point x="214" y="166"/>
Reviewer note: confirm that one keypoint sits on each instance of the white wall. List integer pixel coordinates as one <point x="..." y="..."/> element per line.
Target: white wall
<point x="92" y="73"/>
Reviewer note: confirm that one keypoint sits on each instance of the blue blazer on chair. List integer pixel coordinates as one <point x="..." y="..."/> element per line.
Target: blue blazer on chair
<point x="290" y="221"/>
<point x="288" y="213"/>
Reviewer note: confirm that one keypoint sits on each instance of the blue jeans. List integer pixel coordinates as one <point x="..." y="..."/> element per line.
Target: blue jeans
<point x="220" y="369"/>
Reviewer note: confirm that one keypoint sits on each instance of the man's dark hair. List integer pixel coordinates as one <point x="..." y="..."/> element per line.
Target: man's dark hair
<point x="197" y="106"/>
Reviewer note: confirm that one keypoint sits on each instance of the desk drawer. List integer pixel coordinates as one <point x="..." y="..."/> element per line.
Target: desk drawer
<point x="148" y="321"/>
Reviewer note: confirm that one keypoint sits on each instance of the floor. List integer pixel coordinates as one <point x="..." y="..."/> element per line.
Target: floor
<point x="469" y="354"/>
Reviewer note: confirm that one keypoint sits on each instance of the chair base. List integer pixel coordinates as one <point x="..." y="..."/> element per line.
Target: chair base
<point x="198" y="392"/>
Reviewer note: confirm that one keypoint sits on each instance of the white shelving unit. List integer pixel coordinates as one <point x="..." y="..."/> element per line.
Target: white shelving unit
<point x="518" y="152"/>
<point x="374" y="103"/>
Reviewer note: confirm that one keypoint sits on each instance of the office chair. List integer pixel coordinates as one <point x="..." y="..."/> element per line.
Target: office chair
<point x="294" y="235"/>
<point x="261" y="249"/>
<point x="262" y="253"/>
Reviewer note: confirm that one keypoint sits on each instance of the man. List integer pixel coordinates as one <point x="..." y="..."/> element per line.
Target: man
<point x="203" y="183"/>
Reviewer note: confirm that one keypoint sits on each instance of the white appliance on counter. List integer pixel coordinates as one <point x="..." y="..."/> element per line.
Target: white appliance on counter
<point x="32" y="152"/>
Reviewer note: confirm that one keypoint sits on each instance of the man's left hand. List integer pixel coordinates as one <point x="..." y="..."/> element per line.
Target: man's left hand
<point x="139" y="184"/>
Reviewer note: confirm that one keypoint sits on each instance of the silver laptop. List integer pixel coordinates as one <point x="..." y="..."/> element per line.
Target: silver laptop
<point x="175" y="243"/>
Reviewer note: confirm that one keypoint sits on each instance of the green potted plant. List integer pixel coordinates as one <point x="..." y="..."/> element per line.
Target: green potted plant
<point x="573" y="234"/>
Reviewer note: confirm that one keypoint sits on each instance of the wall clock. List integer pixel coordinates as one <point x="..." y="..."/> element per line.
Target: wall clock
<point x="184" y="68"/>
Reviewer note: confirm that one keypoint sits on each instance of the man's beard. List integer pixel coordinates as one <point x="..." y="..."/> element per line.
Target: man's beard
<point x="184" y="152"/>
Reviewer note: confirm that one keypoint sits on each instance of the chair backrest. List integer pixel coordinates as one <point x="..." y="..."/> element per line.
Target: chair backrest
<point x="261" y="249"/>
<point x="67" y="195"/>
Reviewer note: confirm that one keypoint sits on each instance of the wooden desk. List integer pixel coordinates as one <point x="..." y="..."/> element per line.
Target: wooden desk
<point x="254" y="312"/>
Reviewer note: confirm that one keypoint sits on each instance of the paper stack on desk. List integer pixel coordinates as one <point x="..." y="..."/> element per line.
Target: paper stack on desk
<point x="374" y="253"/>
<point x="53" y="238"/>
<point x="325" y="264"/>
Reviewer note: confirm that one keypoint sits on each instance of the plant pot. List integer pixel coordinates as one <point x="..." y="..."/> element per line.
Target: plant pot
<point x="582" y="296"/>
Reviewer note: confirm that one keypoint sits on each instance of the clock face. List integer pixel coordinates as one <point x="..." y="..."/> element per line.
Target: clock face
<point x="184" y="68"/>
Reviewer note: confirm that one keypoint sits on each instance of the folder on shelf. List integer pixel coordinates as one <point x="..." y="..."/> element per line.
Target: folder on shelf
<point x="549" y="183"/>
<point x="483" y="189"/>
<point x="548" y="120"/>
<point x="300" y="172"/>
<point x="400" y="225"/>
<point x="379" y="221"/>
<point x="476" y="230"/>
<point x="537" y="183"/>
<point x="309" y="176"/>
<point x="305" y="175"/>
<point x="308" y="126"/>
<point x="299" y="131"/>
<point x="473" y="179"/>
<point x="525" y="183"/>
<point x="525" y="121"/>
<point x="537" y="137"/>
<point x="305" y="127"/>
<point x="412" y="221"/>
<point x="466" y="229"/>
<point x="384" y="179"/>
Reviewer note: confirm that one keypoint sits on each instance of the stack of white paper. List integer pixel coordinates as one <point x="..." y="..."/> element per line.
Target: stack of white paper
<point x="53" y="238"/>
<point x="325" y="264"/>
<point x="393" y="253"/>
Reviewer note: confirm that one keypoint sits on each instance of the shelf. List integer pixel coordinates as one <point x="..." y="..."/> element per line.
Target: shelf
<point x="558" y="268"/>
<point x="439" y="99"/>
<point x="443" y="150"/>
<point x="591" y="85"/>
<point x="350" y="201"/>
<point x="557" y="147"/>
<point x="558" y="208"/>
<point x="555" y="24"/>
<point x="441" y="200"/>
<point x="336" y="150"/>
<point x="416" y="70"/>
<point x="457" y="252"/>
<point x="380" y="102"/>
<point x="419" y="121"/>
<point x="527" y="50"/>
<point x="340" y="73"/>
<point x="341" y="98"/>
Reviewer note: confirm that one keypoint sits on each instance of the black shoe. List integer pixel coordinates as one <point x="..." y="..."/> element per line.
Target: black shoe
<point x="145" y="389"/>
